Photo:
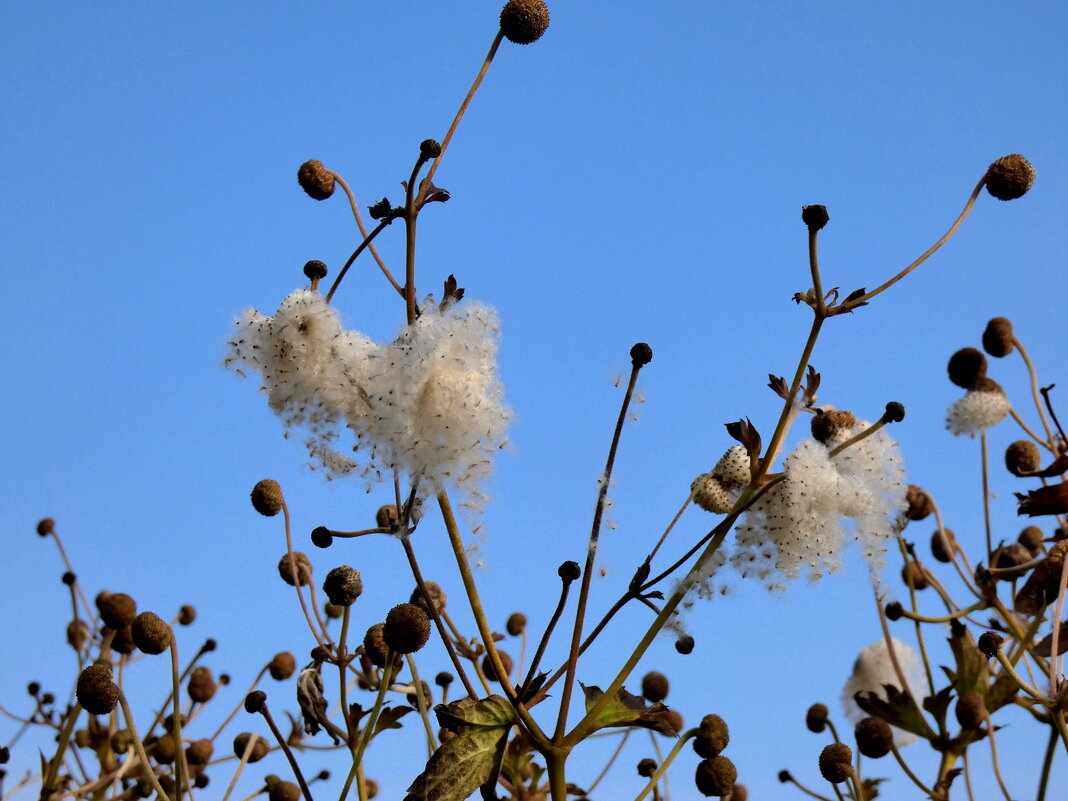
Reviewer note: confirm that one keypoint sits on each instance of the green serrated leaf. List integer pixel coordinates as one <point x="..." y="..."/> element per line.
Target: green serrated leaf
<point x="461" y="715"/>
<point x="627" y="709"/>
<point x="461" y="765"/>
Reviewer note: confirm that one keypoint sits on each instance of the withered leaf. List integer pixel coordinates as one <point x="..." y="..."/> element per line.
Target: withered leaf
<point x="972" y="667"/>
<point x="778" y="385"/>
<point x="1045" y="646"/>
<point x="1051" y="500"/>
<point x="627" y="709"/>
<point x="389" y="718"/>
<point x="897" y="709"/>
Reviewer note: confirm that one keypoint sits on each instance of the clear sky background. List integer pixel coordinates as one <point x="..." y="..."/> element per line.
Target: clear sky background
<point x="635" y="175"/>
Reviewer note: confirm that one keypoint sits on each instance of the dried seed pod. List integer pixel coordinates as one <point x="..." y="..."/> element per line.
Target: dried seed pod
<point x="163" y="749"/>
<point x="374" y="645"/>
<point x="919" y="502"/>
<point x="343" y="585"/>
<point x="259" y="750"/>
<point x="874" y="737"/>
<point x="710" y="494"/>
<point x="267" y="497"/>
<point x="407" y="628"/>
<point x="524" y="21"/>
<point x="386" y="516"/>
<point x="966" y="367"/>
<point x="279" y="790"/>
<point x="186" y="615"/>
<point x="815" y="217"/>
<point x="715" y="776"/>
<point x="816" y="718"/>
<point x="516" y="624"/>
<point x="836" y="762"/>
<point x="828" y="426"/>
<point x="282" y="666"/>
<point x="117" y="609"/>
<point x="733" y="466"/>
<point x="997" y="337"/>
<point x="77" y="634"/>
<point x="654" y="686"/>
<point x="490" y="672"/>
<point x="1031" y="538"/>
<point x="647" y="767"/>
<point x="150" y="633"/>
<point x="684" y="644"/>
<point x="989" y="643"/>
<point x="96" y="690"/>
<point x="430" y="148"/>
<point x="46" y="526"/>
<point x="943" y="545"/>
<point x="712" y="736"/>
<point x="202" y="685"/>
<point x="443" y="679"/>
<point x="303" y="568"/>
<point x="1022" y="457"/>
<point x="1010" y="177"/>
<point x="199" y="752"/>
<point x="315" y="269"/>
<point x="913" y="574"/>
<point x="437" y="597"/>
<point x="315" y="179"/>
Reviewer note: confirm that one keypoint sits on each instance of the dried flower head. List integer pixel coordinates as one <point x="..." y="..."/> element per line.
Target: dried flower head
<point x="187" y="614"/>
<point x="199" y="752"/>
<point x="443" y="679"/>
<point x="298" y="565"/>
<point x="96" y="690"/>
<point x="46" y="526"/>
<point x="640" y="354"/>
<point x="874" y="737"/>
<point x="280" y="790"/>
<point x="374" y="645"/>
<point x="490" y="671"/>
<point x="343" y="585"/>
<point x="201" y="685"/>
<point x="998" y="337"/>
<point x="430" y="148"/>
<point x="715" y="776"/>
<point x="1022" y="457"/>
<point x="1010" y="177"/>
<point x="315" y="179"/>
<point x="315" y="270"/>
<point x="712" y="736"/>
<point x="828" y="425"/>
<point x="919" y="502"/>
<point x="684" y="644"/>
<point x="981" y="408"/>
<point x="117" y="609"/>
<point x="438" y="598"/>
<point x="267" y="497"/>
<point x="524" y="21"/>
<point x="1031" y="538"/>
<point x="407" y="628"/>
<point x="646" y="767"/>
<point x="966" y="366"/>
<point x="836" y="762"/>
<point x="943" y="545"/>
<point x="516" y="624"/>
<point x="913" y="575"/>
<point x="282" y="666"/>
<point x="654" y="686"/>
<point x="816" y="718"/>
<point x="151" y="633"/>
<point x="259" y="749"/>
<point x="815" y="217"/>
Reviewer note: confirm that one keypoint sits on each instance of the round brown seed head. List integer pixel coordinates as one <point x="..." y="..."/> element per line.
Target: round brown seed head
<point x="430" y="148"/>
<point x="1010" y="177"/>
<point x="96" y="690"/>
<point x="259" y="750"/>
<point x="117" y="609"/>
<point x="315" y="269"/>
<point x="1012" y="555"/>
<point x="121" y="741"/>
<point x="386" y="516"/>
<point x="516" y="624"/>
<point x="443" y="679"/>
<point x="524" y="21"/>
<point x="187" y="614"/>
<point x="784" y="776"/>
<point x="641" y="354"/>
<point x="282" y="666"/>
<point x="1031" y="538"/>
<point x="684" y="644"/>
<point x="1056" y="556"/>
<point x="966" y="367"/>
<point x="168" y="722"/>
<point x="919" y="503"/>
<point x="874" y="737"/>
<point x="970" y="709"/>
<point x="315" y="179"/>
<point x="428" y="696"/>
<point x="33" y="688"/>
<point x="150" y="633"/>
<point x="343" y="585"/>
<point x="913" y="574"/>
<point x="997" y="337"/>
<point x="372" y="788"/>
<point x="488" y="669"/>
<point x="374" y="644"/>
<point x="816" y="718"/>
<point x="303" y="569"/>
<point x="255" y="701"/>
<point x="713" y="730"/>
<point x="69" y="578"/>
<point x="836" y="762"/>
<point x="283" y="791"/>
<point x="989" y="643"/>
<point x="199" y="752"/>
<point x="438" y="598"/>
<point x="267" y="497"/>
<point x="654" y="686"/>
<point x="895" y="412"/>
<point x="739" y="793"/>
<point x="407" y="628"/>
<point x="333" y="611"/>
<point x="163" y="749"/>
<point x="569" y="571"/>
<point x="894" y="610"/>
<point x="77" y="634"/>
<point x="647" y="767"/>
<point x="826" y="425"/>
<point x="943" y="545"/>
<point x="46" y="526"/>
<point x="815" y="217"/>
<point x="123" y="641"/>
<point x="1022" y="457"/>
<point x="321" y="537"/>
<point x="202" y="685"/>
<point x="715" y="776"/>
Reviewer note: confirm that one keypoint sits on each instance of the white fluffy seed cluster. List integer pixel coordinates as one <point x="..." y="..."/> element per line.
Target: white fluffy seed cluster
<point x="797" y="525"/>
<point x="977" y="411"/>
<point x="873" y="669"/>
<point x="428" y="404"/>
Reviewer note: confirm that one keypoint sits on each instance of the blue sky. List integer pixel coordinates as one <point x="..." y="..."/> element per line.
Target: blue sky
<point x="635" y="175"/>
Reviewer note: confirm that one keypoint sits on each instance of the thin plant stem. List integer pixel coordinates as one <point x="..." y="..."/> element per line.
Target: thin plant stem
<point x="355" y="254"/>
<point x="986" y="493"/>
<point x="372" y="721"/>
<point x="591" y="557"/>
<point x="994" y="757"/>
<point x="1035" y="391"/>
<point x="239" y="706"/>
<point x="1019" y="680"/>
<point x="342" y="666"/>
<point x="1047" y="764"/>
<point x="305" y="792"/>
<point x="1058" y="609"/>
<point x="363" y="232"/>
<point x="411" y="214"/>
<point x="670" y="526"/>
<point x="534" y="732"/>
<point x="908" y="772"/>
<point x="146" y="766"/>
<point x="662" y="768"/>
<point x="249" y="746"/>
<point x="814" y="268"/>
<point x="460" y="115"/>
<point x="916" y="623"/>
<point x="1027" y="429"/>
<point x="926" y="254"/>
<point x="805" y="790"/>
<point x="611" y="761"/>
<point x="978" y="605"/>
<point x="431" y="608"/>
<point x="897" y="665"/>
<point x="420" y="703"/>
<point x="51" y="774"/>
<point x="544" y="642"/>
<point x="78" y="586"/>
<point x="182" y="773"/>
<point x="295" y="575"/>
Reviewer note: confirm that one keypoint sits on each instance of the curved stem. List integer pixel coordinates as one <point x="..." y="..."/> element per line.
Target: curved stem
<point x="1035" y="391"/>
<point x="661" y="769"/>
<point x="926" y="254"/>
<point x="365" y="243"/>
<point x="363" y="233"/>
<point x="986" y="493"/>
<point x="372" y="720"/>
<point x="295" y="575"/>
<point x="146" y="765"/>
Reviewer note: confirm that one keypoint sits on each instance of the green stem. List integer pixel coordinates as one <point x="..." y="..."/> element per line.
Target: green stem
<point x="50" y="780"/>
<point x="369" y="726"/>
<point x="182" y="771"/>
<point x="1047" y="764"/>
<point x="661" y="769"/>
